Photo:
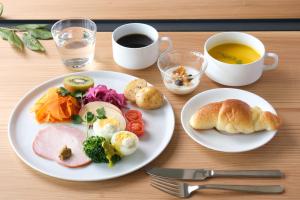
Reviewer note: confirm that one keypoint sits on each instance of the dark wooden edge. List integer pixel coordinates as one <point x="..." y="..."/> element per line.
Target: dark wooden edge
<point x="187" y="25"/>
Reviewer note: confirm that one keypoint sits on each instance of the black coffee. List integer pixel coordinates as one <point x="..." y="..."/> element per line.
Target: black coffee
<point x="134" y="41"/>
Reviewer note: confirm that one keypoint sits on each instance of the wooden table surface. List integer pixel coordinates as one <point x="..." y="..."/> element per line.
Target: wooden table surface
<point x="21" y="72"/>
<point x="151" y="9"/>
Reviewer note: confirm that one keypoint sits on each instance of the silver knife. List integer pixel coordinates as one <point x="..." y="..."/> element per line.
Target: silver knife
<point x="201" y="174"/>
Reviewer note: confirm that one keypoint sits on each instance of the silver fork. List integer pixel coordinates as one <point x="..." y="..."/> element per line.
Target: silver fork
<point x="184" y="190"/>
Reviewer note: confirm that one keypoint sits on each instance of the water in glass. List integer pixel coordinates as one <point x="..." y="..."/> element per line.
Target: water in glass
<point x="76" y="46"/>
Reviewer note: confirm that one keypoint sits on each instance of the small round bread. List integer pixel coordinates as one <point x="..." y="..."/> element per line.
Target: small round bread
<point x="149" y="98"/>
<point x="133" y="87"/>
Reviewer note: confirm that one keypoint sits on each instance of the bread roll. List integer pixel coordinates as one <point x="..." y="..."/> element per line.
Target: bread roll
<point x="149" y="98"/>
<point x="133" y="87"/>
<point x="234" y="116"/>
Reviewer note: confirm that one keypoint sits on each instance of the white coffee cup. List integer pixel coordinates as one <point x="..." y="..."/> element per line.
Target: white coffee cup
<point x="137" y="58"/>
<point x="237" y="74"/>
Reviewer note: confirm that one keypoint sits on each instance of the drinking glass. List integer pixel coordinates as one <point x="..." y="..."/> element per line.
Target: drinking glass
<point x="75" y="40"/>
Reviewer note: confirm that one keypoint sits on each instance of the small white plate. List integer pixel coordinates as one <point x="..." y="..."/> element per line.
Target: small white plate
<point x="22" y="129"/>
<point x="215" y="140"/>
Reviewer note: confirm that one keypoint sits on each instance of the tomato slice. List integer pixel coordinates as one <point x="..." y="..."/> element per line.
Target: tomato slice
<point x="133" y="115"/>
<point x="136" y="127"/>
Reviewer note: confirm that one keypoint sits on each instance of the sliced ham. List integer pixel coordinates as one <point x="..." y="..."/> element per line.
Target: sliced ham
<point x="50" y="141"/>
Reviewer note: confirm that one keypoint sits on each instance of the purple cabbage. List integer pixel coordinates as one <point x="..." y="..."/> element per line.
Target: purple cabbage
<point x="102" y="93"/>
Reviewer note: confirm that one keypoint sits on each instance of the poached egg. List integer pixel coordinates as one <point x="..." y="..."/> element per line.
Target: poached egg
<point x="125" y="142"/>
<point x="113" y="123"/>
<point x="106" y="127"/>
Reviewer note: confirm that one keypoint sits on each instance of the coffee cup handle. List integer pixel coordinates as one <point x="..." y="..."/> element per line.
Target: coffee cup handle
<point x="274" y="56"/>
<point x="169" y="41"/>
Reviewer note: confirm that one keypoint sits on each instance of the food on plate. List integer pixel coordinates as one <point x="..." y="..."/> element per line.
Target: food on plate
<point x="100" y="150"/>
<point x="125" y="142"/>
<point x="53" y="107"/>
<point x="133" y="115"/>
<point x="93" y="106"/>
<point x="50" y="141"/>
<point x="78" y="83"/>
<point x="102" y="93"/>
<point x="234" y="53"/>
<point x="234" y="116"/>
<point x="136" y="127"/>
<point x="135" y="122"/>
<point x="111" y="123"/>
<point x="107" y="120"/>
<point x="149" y="98"/>
<point x="65" y="153"/>
<point x="181" y="79"/>
<point x="100" y="110"/>
<point x="133" y="87"/>
<point x="107" y="127"/>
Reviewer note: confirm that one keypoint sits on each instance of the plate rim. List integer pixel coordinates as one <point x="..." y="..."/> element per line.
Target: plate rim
<point x="24" y="96"/>
<point x="211" y="147"/>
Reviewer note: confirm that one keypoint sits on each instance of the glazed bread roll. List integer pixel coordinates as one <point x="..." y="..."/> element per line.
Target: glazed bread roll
<point x="234" y="116"/>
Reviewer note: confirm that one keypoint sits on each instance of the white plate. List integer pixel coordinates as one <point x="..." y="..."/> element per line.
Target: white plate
<point x="223" y="142"/>
<point x="22" y="129"/>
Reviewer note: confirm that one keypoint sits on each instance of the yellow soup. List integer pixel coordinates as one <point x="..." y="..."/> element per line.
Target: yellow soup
<point x="234" y="53"/>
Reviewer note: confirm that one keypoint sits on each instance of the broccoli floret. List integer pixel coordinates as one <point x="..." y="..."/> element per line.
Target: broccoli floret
<point x="100" y="150"/>
<point x="92" y="147"/>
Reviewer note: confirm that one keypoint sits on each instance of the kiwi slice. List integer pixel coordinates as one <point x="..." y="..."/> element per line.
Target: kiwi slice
<point x="78" y="83"/>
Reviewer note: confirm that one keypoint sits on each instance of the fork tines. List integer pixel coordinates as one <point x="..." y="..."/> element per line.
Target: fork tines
<point x="167" y="185"/>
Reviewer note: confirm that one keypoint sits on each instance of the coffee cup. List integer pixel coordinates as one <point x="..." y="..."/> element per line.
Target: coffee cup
<point x="237" y="74"/>
<point x="137" y="46"/>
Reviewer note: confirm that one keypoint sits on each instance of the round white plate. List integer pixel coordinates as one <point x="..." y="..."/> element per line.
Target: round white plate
<point x="224" y="142"/>
<point x="22" y="129"/>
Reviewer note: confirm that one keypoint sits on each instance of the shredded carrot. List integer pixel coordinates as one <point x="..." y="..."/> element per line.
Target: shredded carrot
<point x="52" y="107"/>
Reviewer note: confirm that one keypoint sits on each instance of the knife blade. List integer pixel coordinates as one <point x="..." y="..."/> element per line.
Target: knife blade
<point x="202" y="174"/>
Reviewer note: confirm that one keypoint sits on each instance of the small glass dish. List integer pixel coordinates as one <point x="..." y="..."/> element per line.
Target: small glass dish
<point x="181" y="70"/>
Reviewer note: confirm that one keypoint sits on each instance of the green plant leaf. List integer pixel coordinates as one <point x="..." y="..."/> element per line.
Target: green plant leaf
<point x="40" y="34"/>
<point x="1" y="8"/>
<point x="76" y="119"/>
<point x="101" y="113"/>
<point x="15" y="40"/>
<point x="77" y="94"/>
<point x="32" y="43"/>
<point x="31" y="26"/>
<point x="90" y="117"/>
<point x="63" y="91"/>
<point x="4" y="33"/>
